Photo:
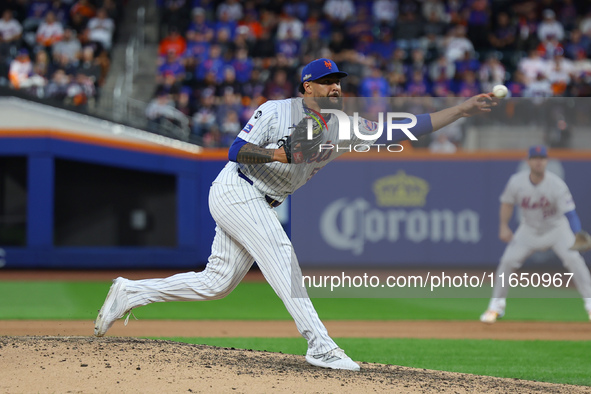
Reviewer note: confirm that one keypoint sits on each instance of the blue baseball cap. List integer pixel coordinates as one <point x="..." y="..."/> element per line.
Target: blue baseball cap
<point x="537" y="151"/>
<point x="319" y="68"/>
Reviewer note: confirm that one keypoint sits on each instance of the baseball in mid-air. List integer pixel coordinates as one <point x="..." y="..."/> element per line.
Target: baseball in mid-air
<point x="500" y="91"/>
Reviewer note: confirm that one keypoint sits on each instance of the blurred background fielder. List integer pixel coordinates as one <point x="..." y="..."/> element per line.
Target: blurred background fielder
<point x="548" y="220"/>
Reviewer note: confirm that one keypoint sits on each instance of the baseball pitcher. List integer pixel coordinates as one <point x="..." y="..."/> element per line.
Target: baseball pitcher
<point x="269" y="160"/>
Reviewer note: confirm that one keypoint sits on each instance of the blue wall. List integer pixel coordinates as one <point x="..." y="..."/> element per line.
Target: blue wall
<point x="436" y="212"/>
<point x="195" y="225"/>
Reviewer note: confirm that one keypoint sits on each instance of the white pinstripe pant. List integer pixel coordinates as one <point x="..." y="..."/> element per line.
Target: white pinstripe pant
<point x="247" y="230"/>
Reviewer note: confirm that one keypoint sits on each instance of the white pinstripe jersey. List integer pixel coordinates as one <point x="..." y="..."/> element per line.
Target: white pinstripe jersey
<point x="270" y="123"/>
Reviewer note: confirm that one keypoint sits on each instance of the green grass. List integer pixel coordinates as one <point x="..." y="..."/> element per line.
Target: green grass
<point x="257" y="301"/>
<point x="548" y="361"/>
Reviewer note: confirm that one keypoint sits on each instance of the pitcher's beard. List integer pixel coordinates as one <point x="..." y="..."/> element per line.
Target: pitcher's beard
<point x="331" y="102"/>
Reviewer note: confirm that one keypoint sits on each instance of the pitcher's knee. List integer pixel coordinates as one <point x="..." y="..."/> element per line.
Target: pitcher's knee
<point x="215" y="285"/>
<point x="222" y="291"/>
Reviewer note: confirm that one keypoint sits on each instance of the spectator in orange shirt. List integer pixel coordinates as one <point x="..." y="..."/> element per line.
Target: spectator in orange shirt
<point x="254" y="26"/>
<point x="84" y="8"/>
<point x="80" y="14"/>
<point x="172" y="42"/>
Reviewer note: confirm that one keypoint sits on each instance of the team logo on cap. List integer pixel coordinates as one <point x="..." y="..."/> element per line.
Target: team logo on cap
<point x="328" y="64"/>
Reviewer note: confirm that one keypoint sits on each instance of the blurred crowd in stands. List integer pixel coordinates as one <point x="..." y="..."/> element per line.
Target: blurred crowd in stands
<point x="57" y="49"/>
<point x="219" y="60"/>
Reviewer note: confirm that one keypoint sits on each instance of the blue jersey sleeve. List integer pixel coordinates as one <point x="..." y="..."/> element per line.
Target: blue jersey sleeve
<point x="423" y="126"/>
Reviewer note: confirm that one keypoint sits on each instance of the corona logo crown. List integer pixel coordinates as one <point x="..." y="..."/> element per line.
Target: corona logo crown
<point x="401" y="190"/>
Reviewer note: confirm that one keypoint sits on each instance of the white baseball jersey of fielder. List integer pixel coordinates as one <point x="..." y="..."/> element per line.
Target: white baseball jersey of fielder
<point x="248" y="229"/>
<point x="543" y="226"/>
<point x="543" y="205"/>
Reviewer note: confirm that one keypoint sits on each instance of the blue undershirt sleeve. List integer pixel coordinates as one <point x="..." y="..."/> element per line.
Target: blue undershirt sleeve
<point x="574" y="221"/>
<point x="235" y="148"/>
<point x="422" y="127"/>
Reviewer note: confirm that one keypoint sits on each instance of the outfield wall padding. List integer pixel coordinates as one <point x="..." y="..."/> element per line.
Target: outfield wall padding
<point x="362" y="210"/>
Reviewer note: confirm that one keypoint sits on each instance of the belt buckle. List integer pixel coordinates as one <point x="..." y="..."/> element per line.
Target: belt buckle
<point x="272" y="202"/>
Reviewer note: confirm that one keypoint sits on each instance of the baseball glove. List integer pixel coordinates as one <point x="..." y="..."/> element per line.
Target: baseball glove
<point x="298" y="148"/>
<point x="582" y="242"/>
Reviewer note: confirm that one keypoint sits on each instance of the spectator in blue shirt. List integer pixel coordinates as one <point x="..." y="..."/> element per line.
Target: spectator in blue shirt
<point x="375" y="85"/>
<point x="478" y="19"/>
<point x="517" y="85"/>
<point x="577" y="42"/>
<point x="200" y="25"/>
<point x="385" y="46"/>
<point x="417" y="86"/>
<point x="197" y="50"/>
<point x="364" y="44"/>
<point x="359" y="26"/>
<point x="172" y="65"/>
<point x="298" y="8"/>
<point x="225" y="23"/>
<point x="243" y="65"/>
<point x="442" y="87"/>
<point x="467" y="63"/>
<point x="468" y="85"/>
<point x="213" y="62"/>
<point x="289" y="47"/>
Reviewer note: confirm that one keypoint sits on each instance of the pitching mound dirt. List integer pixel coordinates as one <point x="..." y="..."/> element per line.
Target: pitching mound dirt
<point x="87" y="364"/>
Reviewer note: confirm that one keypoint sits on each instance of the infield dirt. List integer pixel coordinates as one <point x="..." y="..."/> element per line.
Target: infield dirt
<point x="126" y="365"/>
